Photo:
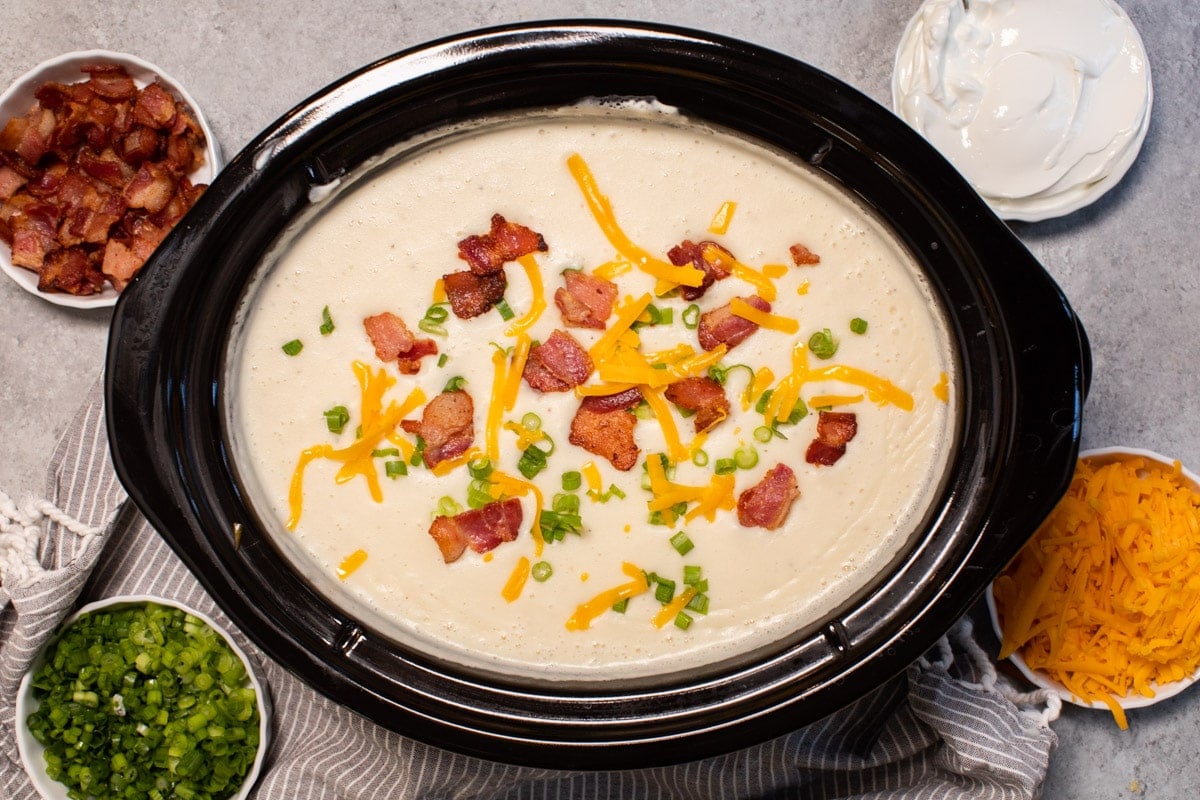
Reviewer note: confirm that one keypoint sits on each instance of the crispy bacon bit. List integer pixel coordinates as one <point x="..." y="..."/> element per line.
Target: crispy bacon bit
<point x="482" y="529"/>
<point x="802" y="256"/>
<point x="506" y="241"/>
<point x="389" y="335"/>
<point x="834" y="430"/>
<point x="471" y="295"/>
<point x="557" y="364"/>
<point x="766" y="504"/>
<point x="447" y="426"/>
<point x="607" y="433"/>
<point x="722" y="326"/>
<point x="622" y="401"/>
<point x="586" y="301"/>
<point x="107" y="164"/>
<point x="410" y="362"/>
<point x="689" y="252"/>
<point x="704" y="396"/>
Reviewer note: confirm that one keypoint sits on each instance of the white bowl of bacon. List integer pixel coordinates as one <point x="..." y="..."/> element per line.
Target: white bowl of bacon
<point x="101" y="153"/>
<point x="1103" y="604"/>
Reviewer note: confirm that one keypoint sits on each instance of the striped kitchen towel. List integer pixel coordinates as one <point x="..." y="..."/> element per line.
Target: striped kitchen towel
<point x="944" y="729"/>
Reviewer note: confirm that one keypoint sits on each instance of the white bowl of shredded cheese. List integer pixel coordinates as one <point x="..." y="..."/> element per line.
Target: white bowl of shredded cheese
<point x="1102" y="605"/>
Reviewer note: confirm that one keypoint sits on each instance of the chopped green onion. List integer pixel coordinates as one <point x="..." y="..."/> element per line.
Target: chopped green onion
<point x="571" y="481"/>
<point x="358" y="432"/>
<point x="293" y="347"/>
<point x="799" y="412"/>
<point x="442" y="359"/>
<point x="531" y="422"/>
<point x="432" y="327"/>
<point x="506" y="312"/>
<point x="417" y="457"/>
<point x="455" y="384"/>
<point x="701" y="586"/>
<point x="822" y="344"/>
<point x="395" y="469"/>
<point x="542" y="571"/>
<point x="479" y="493"/>
<point x="745" y="457"/>
<point x="858" y="325"/>
<point x="385" y="452"/>
<point x="763" y="399"/>
<point x="683" y="621"/>
<point x="435" y="315"/>
<point x="480" y="467"/>
<point x="682" y="543"/>
<point x="764" y="434"/>
<point x="700" y="458"/>
<point x="336" y="419"/>
<point x="448" y="507"/>
<point x="664" y="591"/>
<point x="725" y="466"/>
<point x="555" y="525"/>
<point x="621" y="605"/>
<point x="565" y="503"/>
<point x="691" y="316"/>
<point x="692" y="575"/>
<point x="643" y="410"/>
<point x="532" y="461"/>
<point x="326" y="322"/>
<point x="698" y="603"/>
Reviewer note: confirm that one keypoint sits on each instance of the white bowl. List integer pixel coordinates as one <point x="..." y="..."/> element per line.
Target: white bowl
<point x="19" y="98"/>
<point x="1100" y="456"/>
<point x="31" y="749"/>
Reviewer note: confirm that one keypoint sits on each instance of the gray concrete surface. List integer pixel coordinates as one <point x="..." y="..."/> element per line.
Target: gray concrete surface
<point x="1128" y="263"/>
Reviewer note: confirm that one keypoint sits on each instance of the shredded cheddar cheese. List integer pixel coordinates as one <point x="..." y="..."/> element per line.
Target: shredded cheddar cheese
<point x="534" y="273"/>
<point x="505" y="485"/>
<point x="595" y="482"/>
<point x="586" y="613"/>
<point x="516" y="580"/>
<point x="764" y="319"/>
<point x="831" y="400"/>
<point x="495" y="413"/>
<point x="676" y="450"/>
<point x="439" y="291"/>
<point x="601" y="209"/>
<point x="671" y="609"/>
<point x="1105" y="598"/>
<point x="942" y="389"/>
<point x="351" y="563"/>
<point x="612" y="269"/>
<point x="722" y="219"/>
<point x="762" y="284"/>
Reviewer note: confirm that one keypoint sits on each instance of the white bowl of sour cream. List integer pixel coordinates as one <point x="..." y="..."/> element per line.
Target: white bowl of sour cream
<point x="1043" y="107"/>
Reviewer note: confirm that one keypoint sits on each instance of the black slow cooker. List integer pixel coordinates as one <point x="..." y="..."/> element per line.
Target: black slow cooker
<point x="1023" y="365"/>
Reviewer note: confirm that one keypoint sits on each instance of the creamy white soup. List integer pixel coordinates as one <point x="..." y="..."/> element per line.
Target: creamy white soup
<point x="611" y="192"/>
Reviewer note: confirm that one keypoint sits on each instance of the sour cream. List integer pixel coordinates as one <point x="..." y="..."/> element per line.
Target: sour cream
<point x="381" y="242"/>
<point x="1043" y="106"/>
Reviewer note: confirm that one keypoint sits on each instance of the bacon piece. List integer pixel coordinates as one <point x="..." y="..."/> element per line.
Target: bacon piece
<point x="621" y="401"/>
<point x="557" y="364"/>
<point x="586" y="301"/>
<point x="704" y="396"/>
<point x="722" y="326"/>
<point x="834" y="430"/>
<point x="482" y="529"/>
<point x="70" y="269"/>
<point x="154" y="107"/>
<point x="124" y="257"/>
<point x="106" y="166"/>
<point x="802" y="256"/>
<point x="608" y="434"/>
<point x="140" y="144"/>
<point x="10" y="182"/>
<point x="447" y="426"/>
<point x="689" y="252"/>
<point x="110" y="81"/>
<point x="33" y="234"/>
<point x="506" y="241"/>
<point x="471" y="295"/>
<point x="389" y="335"/>
<point x="766" y="504"/>
<point x="151" y="188"/>
<point x="410" y="362"/>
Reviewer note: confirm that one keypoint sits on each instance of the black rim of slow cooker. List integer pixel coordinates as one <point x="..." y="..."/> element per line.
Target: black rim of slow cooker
<point x="1023" y="368"/>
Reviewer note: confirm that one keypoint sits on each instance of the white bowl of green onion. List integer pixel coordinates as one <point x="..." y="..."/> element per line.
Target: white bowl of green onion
<point x="135" y="693"/>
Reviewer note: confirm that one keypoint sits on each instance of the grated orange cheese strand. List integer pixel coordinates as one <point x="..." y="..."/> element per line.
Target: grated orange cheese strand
<point x="1105" y="598"/>
<point x="534" y="273"/>
<point x="672" y="609"/>
<point x="612" y="269"/>
<point x="627" y="314"/>
<point x="676" y="450"/>
<point x="439" y="291"/>
<point x="762" y="284"/>
<point x="296" y="487"/>
<point x="591" y="474"/>
<point x="763" y="319"/>
<point x="351" y="563"/>
<point x="941" y="389"/>
<point x="516" y="580"/>
<point x="516" y="369"/>
<point x="505" y="485"/>
<point x="602" y="211"/>
<point x="879" y="390"/>
<point x="718" y="496"/>
<point x="831" y="400"/>
<point x="586" y="613"/>
<point x="444" y="468"/>
<point x="602" y="389"/>
<point x="722" y="219"/>
<point x="491" y="428"/>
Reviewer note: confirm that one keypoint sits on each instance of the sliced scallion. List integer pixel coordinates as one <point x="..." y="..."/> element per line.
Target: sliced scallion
<point x="455" y="384"/>
<point x="395" y="469"/>
<point x="858" y="325"/>
<point x="682" y="543"/>
<point x="448" y="507"/>
<point x="326" y="322"/>
<point x="506" y="312"/>
<point x="336" y="419"/>
<point x="822" y="344"/>
<point x="700" y="458"/>
<point x="571" y="481"/>
<point x="691" y="316"/>
<point x="541" y="571"/>
<point x="724" y="466"/>
<point x="683" y="621"/>
<point x="532" y="461"/>
<point x="745" y="457"/>
<point x="293" y="347"/>
<point x="621" y="605"/>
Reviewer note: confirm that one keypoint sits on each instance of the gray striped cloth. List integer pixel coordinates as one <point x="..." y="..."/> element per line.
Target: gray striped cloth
<point x="944" y="729"/>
